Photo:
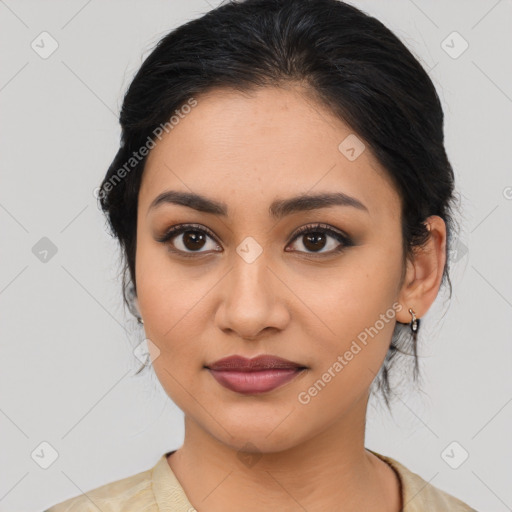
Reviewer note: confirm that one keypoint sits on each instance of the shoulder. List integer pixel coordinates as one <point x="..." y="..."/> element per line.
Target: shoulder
<point x="131" y="493"/>
<point x="418" y="495"/>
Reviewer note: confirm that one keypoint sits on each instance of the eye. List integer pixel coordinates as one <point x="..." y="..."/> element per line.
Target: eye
<point x="189" y="239"/>
<point x="315" y="238"/>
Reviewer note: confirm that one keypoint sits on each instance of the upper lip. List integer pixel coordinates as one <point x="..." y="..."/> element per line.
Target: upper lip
<point x="261" y="362"/>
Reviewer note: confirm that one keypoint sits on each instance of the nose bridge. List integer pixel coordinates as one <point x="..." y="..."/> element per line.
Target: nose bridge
<point x="252" y="254"/>
<point x="249" y="300"/>
<point x="250" y="272"/>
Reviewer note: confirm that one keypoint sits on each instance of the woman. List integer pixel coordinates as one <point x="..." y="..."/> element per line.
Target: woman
<point x="283" y="200"/>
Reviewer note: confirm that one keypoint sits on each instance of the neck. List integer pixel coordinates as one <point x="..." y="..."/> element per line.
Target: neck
<point x="330" y="471"/>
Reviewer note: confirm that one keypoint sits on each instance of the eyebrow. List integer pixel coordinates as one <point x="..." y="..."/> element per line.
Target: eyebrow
<point x="278" y="209"/>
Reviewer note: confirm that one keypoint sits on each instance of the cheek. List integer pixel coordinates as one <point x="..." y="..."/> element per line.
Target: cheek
<point x="165" y="290"/>
<point x="174" y="318"/>
<point x="351" y="296"/>
<point x="357" y="308"/>
<point x="170" y="302"/>
<point x="347" y="362"/>
<point x="175" y="321"/>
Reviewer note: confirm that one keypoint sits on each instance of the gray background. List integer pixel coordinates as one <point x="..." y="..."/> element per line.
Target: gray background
<point x="66" y="341"/>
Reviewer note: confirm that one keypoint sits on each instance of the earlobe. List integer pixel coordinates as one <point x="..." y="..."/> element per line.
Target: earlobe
<point x="424" y="272"/>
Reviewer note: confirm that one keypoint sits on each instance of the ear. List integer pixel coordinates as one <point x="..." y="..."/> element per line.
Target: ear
<point x="424" y="272"/>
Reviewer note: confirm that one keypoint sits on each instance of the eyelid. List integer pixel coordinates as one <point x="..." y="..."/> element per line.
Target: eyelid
<point x="322" y="228"/>
<point x="178" y="229"/>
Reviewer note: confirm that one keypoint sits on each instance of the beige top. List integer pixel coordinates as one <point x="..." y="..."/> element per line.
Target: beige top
<point x="158" y="490"/>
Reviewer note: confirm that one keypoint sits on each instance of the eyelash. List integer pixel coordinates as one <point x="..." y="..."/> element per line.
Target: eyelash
<point x="179" y="229"/>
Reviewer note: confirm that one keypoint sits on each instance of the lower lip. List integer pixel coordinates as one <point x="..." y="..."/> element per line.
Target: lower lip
<point x="259" y="381"/>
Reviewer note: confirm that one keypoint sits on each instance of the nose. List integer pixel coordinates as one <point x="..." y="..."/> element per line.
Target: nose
<point x="253" y="300"/>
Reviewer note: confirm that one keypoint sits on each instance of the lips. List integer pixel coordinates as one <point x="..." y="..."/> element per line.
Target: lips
<point x="257" y="375"/>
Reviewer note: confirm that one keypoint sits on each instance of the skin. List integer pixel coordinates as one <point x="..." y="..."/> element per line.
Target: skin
<point x="246" y="150"/>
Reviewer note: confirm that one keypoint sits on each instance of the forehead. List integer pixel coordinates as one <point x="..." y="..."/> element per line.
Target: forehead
<point x="246" y="149"/>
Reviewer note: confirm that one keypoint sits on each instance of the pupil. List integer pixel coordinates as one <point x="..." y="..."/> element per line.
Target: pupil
<point x="314" y="238"/>
<point x="194" y="238"/>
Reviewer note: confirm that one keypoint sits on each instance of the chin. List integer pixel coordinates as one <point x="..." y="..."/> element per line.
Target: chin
<point x="254" y="436"/>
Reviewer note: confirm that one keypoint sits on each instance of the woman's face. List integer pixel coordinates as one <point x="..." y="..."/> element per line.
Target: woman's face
<point x="244" y="283"/>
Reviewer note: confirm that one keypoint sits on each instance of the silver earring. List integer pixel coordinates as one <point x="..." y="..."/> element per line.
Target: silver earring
<point x="415" y="322"/>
